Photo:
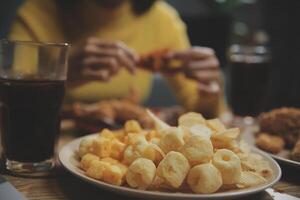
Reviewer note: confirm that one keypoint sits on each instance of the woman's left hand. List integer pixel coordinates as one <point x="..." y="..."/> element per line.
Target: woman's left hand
<point x="200" y="64"/>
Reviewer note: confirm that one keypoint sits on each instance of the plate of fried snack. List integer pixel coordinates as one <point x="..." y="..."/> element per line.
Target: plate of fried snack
<point x="198" y="159"/>
<point x="279" y="135"/>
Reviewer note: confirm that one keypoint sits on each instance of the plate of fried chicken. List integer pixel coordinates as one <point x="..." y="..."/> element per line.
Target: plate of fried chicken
<point x="278" y="135"/>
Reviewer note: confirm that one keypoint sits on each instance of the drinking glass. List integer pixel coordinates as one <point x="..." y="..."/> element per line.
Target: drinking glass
<point x="32" y="79"/>
<point x="249" y="68"/>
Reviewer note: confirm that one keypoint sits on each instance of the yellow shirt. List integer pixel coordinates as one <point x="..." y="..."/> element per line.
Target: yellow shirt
<point x="158" y="28"/>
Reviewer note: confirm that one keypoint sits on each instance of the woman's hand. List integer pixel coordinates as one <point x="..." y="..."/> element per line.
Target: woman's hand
<point x="97" y="59"/>
<point x="200" y="64"/>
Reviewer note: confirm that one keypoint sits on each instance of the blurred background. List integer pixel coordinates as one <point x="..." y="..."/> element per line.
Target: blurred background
<point x="219" y="24"/>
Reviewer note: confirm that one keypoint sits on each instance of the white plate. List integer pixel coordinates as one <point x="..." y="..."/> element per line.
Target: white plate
<point x="283" y="156"/>
<point x="70" y="161"/>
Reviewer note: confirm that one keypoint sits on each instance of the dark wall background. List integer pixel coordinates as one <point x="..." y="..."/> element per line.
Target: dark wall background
<point x="7" y="14"/>
<point x="282" y="24"/>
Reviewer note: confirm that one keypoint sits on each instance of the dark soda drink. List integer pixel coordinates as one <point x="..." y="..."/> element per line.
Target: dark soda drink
<point x="248" y="82"/>
<point x="30" y="118"/>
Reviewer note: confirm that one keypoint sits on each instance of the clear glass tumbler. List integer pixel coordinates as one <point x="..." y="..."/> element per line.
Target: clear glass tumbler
<point x="32" y="86"/>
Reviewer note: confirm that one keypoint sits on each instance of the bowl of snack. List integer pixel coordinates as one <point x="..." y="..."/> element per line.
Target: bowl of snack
<point x="279" y="135"/>
<point x="198" y="159"/>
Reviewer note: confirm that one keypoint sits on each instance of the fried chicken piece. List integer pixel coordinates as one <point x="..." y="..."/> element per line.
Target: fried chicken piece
<point x="95" y="111"/>
<point x="270" y="143"/>
<point x="295" y="155"/>
<point x="154" y="60"/>
<point x="91" y="117"/>
<point x="283" y="122"/>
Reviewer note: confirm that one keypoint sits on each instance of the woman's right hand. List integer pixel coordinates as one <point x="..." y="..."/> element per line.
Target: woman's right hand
<point x="97" y="59"/>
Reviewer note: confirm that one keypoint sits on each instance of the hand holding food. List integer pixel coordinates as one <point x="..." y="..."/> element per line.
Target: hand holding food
<point x="96" y="59"/>
<point x="202" y="155"/>
<point x="200" y="64"/>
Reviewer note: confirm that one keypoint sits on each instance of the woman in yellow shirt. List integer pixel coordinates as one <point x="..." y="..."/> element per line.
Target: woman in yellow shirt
<point x="101" y="32"/>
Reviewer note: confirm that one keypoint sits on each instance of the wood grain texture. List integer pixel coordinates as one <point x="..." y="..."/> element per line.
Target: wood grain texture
<point x="61" y="185"/>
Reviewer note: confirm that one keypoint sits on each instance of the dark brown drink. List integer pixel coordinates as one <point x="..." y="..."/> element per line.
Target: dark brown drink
<point x="248" y="82"/>
<point x="30" y="118"/>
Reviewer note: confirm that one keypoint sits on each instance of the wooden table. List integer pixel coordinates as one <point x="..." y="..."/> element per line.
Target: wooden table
<point x="64" y="186"/>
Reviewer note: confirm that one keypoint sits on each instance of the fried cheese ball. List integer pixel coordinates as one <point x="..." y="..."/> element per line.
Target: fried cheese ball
<point x="131" y="153"/>
<point x="135" y="139"/>
<point x="229" y="164"/>
<point x="204" y="178"/>
<point x="200" y="130"/>
<point x="225" y="139"/>
<point x="132" y="126"/>
<point x="86" y="160"/>
<point x="113" y="175"/>
<point x="119" y="134"/>
<point x="96" y="169"/>
<point x="228" y="134"/>
<point x="173" y="169"/>
<point x="85" y="146"/>
<point x="197" y="150"/>
<point x="215" y="125"/>
<point x="172" y="139"/>
<point x="153" y="152"/>
<point x="151" y="135"/>
<point x="141" y="173"/>
<point x="110" y="160"/>
<point x="109" y="173"/>
<point x="190" y="119"/>
<point x="117" y="149"/>
<point x="117" y="163"/>
<point x="136" y="145"/>
<point x="102" y="147"/>
<point x="143" y="150"/>
<point x="155" y="141"/>
<point x="107" y="134"/>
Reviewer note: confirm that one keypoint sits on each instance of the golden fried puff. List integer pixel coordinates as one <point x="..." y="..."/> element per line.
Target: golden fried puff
<point x="96" y="169"/>
<point x="215" y="125"/>
<point x="197" y="150"/>
<point x="102" y="147"/>
<point x="117" y="149"/>
<point x="85" y="146"/>
<point x="141" y="173"/>
<point x="86" y="160"/>
<point x="229" y="164"/>
<point x="204" y="178"/>
<point x="172" y="140"/>
<point x="173" y="169"/>
<point x="132" y="126"/>
<point x="190" y="119"/>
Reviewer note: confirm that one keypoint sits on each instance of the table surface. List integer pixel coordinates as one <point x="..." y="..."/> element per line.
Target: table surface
<point x="64" y="186"/>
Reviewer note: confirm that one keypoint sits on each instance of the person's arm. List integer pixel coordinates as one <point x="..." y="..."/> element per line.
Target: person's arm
<point x="96" y="59"/>
<point x="189" y="91"/>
